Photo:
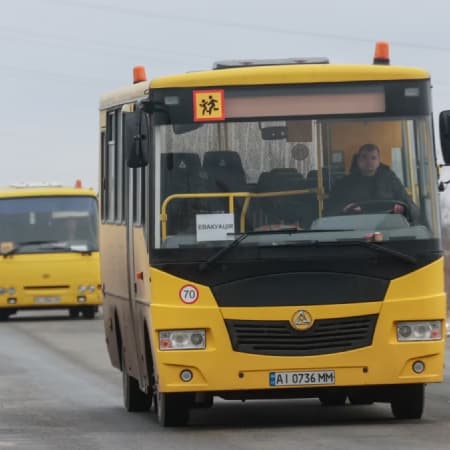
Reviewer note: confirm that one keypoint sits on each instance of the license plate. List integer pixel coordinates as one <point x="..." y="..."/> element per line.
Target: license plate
<point x="302" y="378"/>
<point x="46" y="300"/>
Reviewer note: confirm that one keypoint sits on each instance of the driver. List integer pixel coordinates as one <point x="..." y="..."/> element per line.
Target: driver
<point x="369" y="180"/>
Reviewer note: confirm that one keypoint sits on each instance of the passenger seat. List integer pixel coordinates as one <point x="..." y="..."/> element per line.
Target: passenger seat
<point x="293" y="209"/>
<point x="181" y="174"/>
<point x="224" y="169"/>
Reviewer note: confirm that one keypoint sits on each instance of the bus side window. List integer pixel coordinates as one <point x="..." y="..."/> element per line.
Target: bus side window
<point x="110" y="165"/>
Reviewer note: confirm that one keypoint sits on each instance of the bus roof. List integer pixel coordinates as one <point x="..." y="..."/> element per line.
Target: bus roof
<point x="123" y="95"/>
<point x="266" y="75"/>
<point x="291" y="74"/>
<point x="51" y="191"/>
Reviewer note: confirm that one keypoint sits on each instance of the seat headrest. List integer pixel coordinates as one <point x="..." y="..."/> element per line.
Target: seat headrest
<point x="285" y="171"/>
<point x="312" y="174"/>
<point x="222" y="159"/>
<point x="188" y="162"/>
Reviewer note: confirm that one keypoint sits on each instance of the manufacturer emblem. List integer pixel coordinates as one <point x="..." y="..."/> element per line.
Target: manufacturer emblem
<point x="302" y="320"/>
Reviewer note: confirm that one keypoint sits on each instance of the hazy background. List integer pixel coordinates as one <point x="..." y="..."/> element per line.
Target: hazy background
<point x="59" y="56"/>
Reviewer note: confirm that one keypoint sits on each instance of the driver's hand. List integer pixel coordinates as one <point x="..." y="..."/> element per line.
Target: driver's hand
<point x="398" y="209"/>
<point x="352" y="207"/>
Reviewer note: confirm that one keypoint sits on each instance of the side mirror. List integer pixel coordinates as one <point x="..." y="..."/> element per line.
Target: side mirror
<point x="444" y="131"/>
<point x="136" y="138"/>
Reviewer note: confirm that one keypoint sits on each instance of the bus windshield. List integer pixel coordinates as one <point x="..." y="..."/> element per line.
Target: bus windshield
<point x="226" y="178"/>
<point x="49" y="224"/>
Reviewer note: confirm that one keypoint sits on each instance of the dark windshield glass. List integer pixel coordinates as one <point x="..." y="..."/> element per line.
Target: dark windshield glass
<point x="69" y="220"/>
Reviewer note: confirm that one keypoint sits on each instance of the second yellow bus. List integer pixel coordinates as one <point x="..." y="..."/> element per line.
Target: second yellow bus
<point x="49" y="250"/>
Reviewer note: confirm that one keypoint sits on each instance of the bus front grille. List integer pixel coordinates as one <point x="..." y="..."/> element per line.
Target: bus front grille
<point x="279" y="338"/>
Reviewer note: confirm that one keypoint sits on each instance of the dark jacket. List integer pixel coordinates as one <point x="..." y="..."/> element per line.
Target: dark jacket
<point x="356" y="188"/>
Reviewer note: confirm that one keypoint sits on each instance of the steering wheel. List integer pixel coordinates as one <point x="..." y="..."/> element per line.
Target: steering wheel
<point x="378" y="206"/>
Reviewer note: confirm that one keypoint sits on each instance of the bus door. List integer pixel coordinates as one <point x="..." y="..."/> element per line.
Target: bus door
<point x="137" y="248"/>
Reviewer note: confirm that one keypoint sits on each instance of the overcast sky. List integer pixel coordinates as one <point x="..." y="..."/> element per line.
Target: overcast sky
<point x="59" y="56"/>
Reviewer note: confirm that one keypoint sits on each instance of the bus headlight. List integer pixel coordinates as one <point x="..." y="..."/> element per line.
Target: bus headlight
<point x="420" y="330"/>
<point x="82" y="288"/>
<point x="2" y="290"/>
<point x="182" y="339"/>
<point x="11" y="291"/>
<point x="91" y="288"/>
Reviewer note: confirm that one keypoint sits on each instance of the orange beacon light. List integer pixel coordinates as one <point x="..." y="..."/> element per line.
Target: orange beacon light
<point x="381" y="55"/>
<point x="139" y="74"/>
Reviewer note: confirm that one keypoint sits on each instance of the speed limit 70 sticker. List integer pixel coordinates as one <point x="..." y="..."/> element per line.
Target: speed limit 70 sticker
<point x="188" y="294"/>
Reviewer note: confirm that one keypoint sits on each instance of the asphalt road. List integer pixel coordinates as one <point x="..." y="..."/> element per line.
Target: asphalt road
<point x="58" y="391"/>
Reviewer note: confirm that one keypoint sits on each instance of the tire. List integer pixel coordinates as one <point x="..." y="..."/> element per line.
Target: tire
<point x="172" y="410"/>
<point x="89" y="312"/>
<point x="74" y="313"/>
<point x="4" y="315"/>
<point x="360" y="397"/>
<point x="333" y="397"/>
<point x="134" y="399"/>
<point x="408" y="402"/>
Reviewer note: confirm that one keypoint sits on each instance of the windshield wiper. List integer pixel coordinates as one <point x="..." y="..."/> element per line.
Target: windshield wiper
<point x="371" y="245"/>
<point x="19" y="245"/>
<point x="354" y="243"/>
<point x="205" y="264"/>
<point x="380" y="248"/>
<point x="51" y="245"/>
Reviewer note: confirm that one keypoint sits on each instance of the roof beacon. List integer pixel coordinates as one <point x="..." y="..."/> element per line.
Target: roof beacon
<point x="78" y="184"/>
<point x="139" y="74"/>
<point x="381" y="55"/>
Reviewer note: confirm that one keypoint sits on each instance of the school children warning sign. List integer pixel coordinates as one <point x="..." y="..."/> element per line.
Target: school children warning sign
<point x="209" y="105"/>
<point x="214" y="227"/>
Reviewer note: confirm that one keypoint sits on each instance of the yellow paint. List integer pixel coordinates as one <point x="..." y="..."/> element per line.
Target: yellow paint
<point x="218" y="367"/>
<point x="307" y="73"/>
<point x="425" y="282"/>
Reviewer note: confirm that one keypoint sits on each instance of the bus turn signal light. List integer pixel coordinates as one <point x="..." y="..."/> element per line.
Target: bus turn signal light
<point x="381" y="55"/>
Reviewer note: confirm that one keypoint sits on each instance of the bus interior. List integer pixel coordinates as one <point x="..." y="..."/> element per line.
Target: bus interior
<point x="281" y="174"/>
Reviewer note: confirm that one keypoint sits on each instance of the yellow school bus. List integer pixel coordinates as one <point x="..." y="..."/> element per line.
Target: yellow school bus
<point x="49" y="250"/>
<point x="227" y="269"/>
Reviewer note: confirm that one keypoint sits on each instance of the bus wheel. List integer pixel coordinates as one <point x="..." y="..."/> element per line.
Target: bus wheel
<point x="333" y="397"/>
<point x="134" y="399"/>
<point x="74" y="313"/>
<point x="4" y="315"/>
<point x="408" y="402"/>
<point x="360" y="397"/>
<point x="89" y="312"/>
<point x="172" y="410"/>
